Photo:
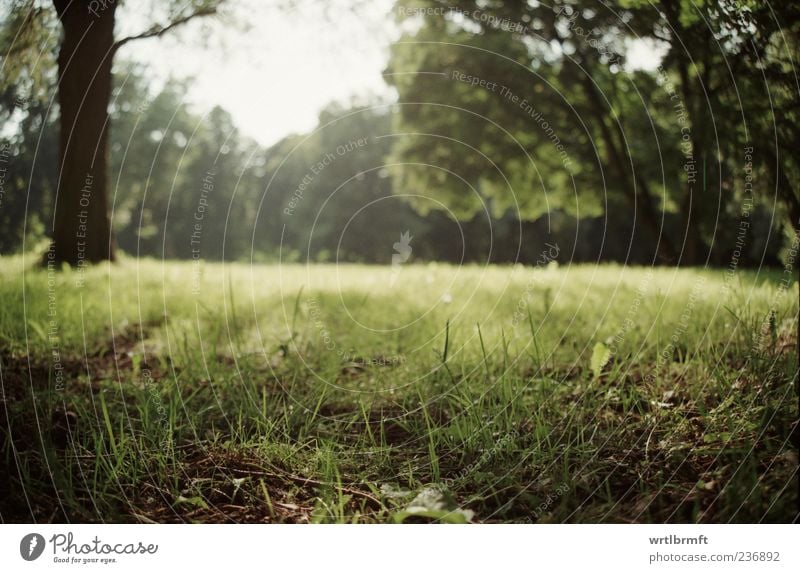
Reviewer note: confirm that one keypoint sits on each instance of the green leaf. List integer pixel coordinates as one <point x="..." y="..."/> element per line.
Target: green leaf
<point x="393" y="491"/>
<point x="195" y="501"/>
<point x="600" y="357"/>
<point x="436" y="505"/>
<point x="717" y="437"/>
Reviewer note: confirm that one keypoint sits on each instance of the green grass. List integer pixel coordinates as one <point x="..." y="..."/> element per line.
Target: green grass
<point x="325" y="394"/>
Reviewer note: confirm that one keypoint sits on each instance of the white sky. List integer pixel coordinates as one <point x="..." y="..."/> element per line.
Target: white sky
<point x="274" y="70"/>
<point x="645" y="54"/>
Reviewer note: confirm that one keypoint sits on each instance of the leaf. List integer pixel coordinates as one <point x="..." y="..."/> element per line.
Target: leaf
<point x="600" y="357"/>
<point x="237" y="485"/>
<point x="196" y="501"/>
<point x="437" y="505"/>
<point x="718" y="437"/>
<point x="392" y="491"/>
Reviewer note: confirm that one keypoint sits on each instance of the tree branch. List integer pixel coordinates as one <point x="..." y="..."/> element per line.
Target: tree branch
<point x="157" y="31"/>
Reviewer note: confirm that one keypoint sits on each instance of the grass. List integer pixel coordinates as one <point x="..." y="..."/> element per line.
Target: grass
<point x="172" y="391"/>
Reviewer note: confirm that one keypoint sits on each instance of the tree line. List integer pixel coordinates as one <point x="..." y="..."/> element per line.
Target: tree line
<point x="683" y="154"/>
<point x="516" y="125"/>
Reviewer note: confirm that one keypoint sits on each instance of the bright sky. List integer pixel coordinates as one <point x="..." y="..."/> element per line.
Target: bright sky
<point x="274" y="70"/>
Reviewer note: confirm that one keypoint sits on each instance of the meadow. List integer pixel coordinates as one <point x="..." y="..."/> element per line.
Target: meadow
<point x="152" y="391"/>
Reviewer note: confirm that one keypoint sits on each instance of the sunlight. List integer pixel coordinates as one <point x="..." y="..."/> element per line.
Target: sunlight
<point x="276" y="69"/>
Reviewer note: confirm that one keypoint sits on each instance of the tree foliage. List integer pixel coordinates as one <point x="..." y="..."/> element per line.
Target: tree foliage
<point x="499" y="92"/>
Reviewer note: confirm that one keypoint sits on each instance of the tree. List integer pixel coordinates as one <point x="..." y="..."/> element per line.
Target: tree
<point x="660" y="150"/>
<point x="734" y="71"/>
<point x="81" y="227"/>
<point x="545" y="131"/>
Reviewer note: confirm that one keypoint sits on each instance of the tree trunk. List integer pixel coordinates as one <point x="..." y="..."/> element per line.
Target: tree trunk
<point x="690" y="49"/>
<point x="636" y="190"/>
<point x="783" y="185"/>
<point x="81" y="225"/>
<point x="692" y="206"/>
